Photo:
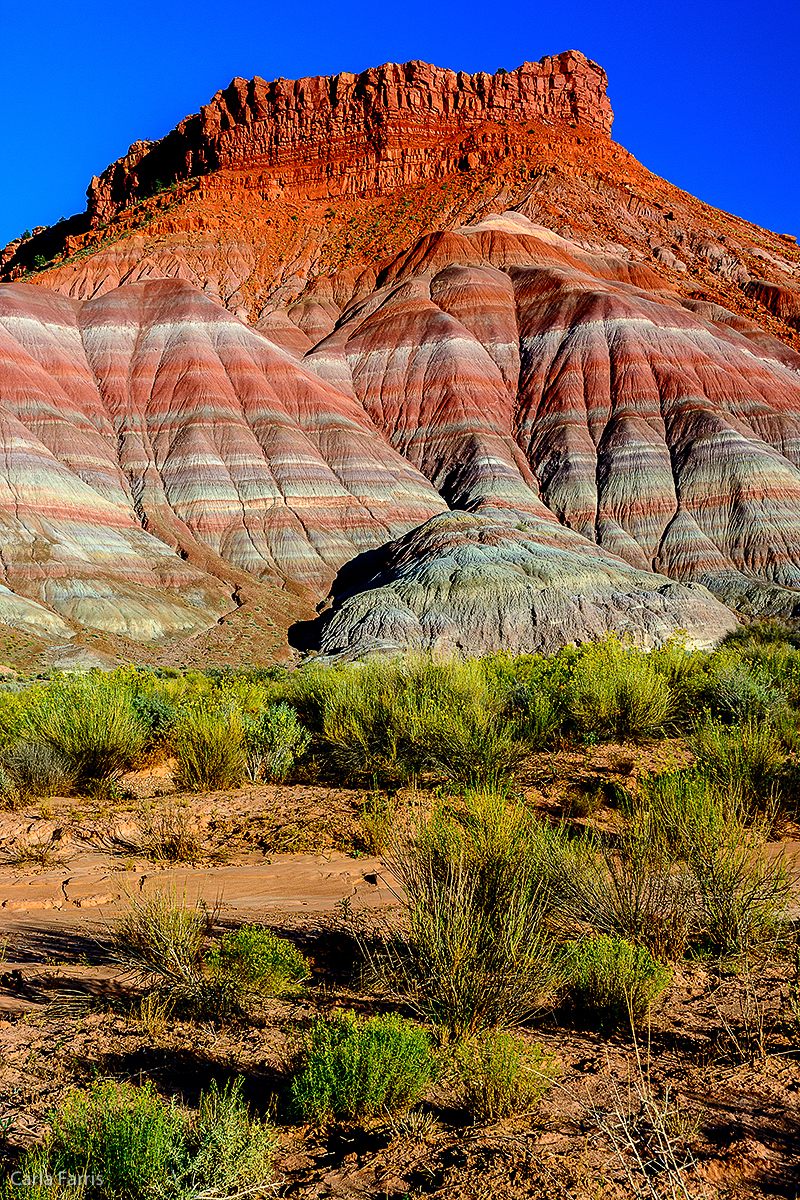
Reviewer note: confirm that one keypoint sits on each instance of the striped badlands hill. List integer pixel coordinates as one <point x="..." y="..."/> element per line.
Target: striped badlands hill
<point x="595" y="428"/>
<point x="526" y="377"/>
<point x="150" y="430"/>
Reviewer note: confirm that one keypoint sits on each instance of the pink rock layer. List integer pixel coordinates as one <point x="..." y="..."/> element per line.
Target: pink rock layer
<point x="150" y="427"/>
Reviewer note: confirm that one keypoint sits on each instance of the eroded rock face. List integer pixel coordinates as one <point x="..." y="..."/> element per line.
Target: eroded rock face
<point x="517" y="371"/>
<point x="389" y="117"/>
<point x="149" y="428"/>
<point x="470" y="583"/>
<point x="274" y="192"/>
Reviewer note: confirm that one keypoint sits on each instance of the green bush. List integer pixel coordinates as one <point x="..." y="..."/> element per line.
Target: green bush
<point x="502" y="1075"/>
<point x="744" y="759"/>
<point x="377" y="823"/>
<point x="351" y="1069"/>
<point x="257" y="962"/>
<point x="157" y="713"/>
<point x="209" y="746"/>
<point x="539" y="719"/>
<point x="612" y="983"/>
<point x="92" y="722"/>
<point x="159" y="941"/>
<point x="475" y="951"/>
<point x="739" y="690"/>
<point x="126" y="1142"/>
<point x="12" y="717"/>
<point x="388" y="722"/>
<point x="274" y="741"/>
<point x="615" y="692"/>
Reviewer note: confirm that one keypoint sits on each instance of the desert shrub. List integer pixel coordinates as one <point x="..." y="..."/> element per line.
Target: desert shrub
<point x="390" y="721"/>
<point x="738" y="893"/>
<point x="744" y="758"/>
<point x="274" y="740"/>
<point x="739" y="690"/>
<point x="537" y="715"/>
<point x="159" y="942"/>
<point x="686" y="672"/>
<point x="91" y="721"/>
<point x="350" y="1069"/>
<point x="631" y="889"/>
<point x="12" y="717"/>
<point x="614" y="692"/>
<point x="119" y="1134"/>
<point x="474" y="746"/>
<point x="743" y="893"/>
<point x="771" y="632"/>
<point x="10" y="797"/>
<point x="125" y="1141"/>
<point x="209" y="746"/>
<point x="167" y="835"/>
<point x="37" y="769"/>
<point x="377" y="823"/>
<point x="611" y="982"/>
<point x="157" y="713"/>
<point x="643" y="893"/>
<point x="257" y="962"/>
<point x="226" y="1152"/>
<point x="475" y="952"/>
<point x="501" y="1075"/>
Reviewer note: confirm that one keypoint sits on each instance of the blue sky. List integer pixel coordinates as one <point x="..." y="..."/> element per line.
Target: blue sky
<point x="705" y="93"/>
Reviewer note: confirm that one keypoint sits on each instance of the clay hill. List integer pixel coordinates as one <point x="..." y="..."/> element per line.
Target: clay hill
<point x="426" y="349"/>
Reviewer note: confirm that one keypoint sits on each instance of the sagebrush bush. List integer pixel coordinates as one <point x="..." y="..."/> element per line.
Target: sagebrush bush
<point x="209" y="746"/>
<point x="350" y="1069"/>
<point x="739" y="690"/>
<point x="501" y="1075"/>
<point x="92" y="722"/>
<point x="257" y="962"/>
<point x="274" y="740"/>
<point x="611" y="983"/>
<point x="126" y="1142"/>
<point x="37" y="769"/>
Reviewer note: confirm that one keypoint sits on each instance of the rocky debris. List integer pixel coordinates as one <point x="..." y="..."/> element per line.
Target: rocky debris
<point x="783" y="301"/>
<point x="476" y="584"/>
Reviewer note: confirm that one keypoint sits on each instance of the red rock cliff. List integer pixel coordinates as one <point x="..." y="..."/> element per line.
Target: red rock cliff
<point x="391" y="119"/>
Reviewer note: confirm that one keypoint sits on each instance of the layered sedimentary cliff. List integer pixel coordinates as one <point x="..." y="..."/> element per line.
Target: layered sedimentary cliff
<point x="390" y="126"/>
<point x="368" y="300"/>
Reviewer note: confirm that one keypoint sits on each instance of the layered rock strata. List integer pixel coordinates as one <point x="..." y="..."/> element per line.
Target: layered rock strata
<point x="466" y="583"/>
<point x="392" y="121"/>
<point x="152" y="443"/>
